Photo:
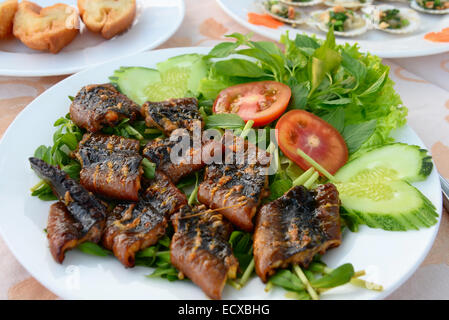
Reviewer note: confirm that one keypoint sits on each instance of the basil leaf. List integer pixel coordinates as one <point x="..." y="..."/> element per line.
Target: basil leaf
<point x="303" y="41"/>
<point x="356" y="134"/>
<point x="300" y="91"/>
<point x="223" y="49"/>
<point x="376" y="86"/>
<point x="336" y="118"/>
<point x="354" y="67"/>
<point x="239" y="68"/>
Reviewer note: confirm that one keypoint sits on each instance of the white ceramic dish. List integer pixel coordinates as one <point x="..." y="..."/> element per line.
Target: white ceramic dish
<point x="389" y="258"/>
<point x="156" y="21"/>
<point x="376" y="42"/>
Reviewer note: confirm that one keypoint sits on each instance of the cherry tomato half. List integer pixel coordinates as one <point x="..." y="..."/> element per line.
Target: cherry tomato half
<point x="262" y="102"/>
<point x="318" y="139"/>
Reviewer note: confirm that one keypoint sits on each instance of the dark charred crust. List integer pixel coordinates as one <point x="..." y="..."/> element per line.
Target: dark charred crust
<point x="78" y="217"/>
<point x="97" y="105"/>
<point x="134" y="226"/>
<point x="295" y="227"/>
<point x="110" y="166"/>
<point x="173" y="114"/>
<point x="200" y="249"/>
<point x="236" y="186"/>
<point x="158" y="151"/>
<point x="82" y="205"/>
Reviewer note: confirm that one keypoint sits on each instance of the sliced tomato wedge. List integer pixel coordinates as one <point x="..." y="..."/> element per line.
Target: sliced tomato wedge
<point x="317" y="138"/>
<point x="262" y="102"/>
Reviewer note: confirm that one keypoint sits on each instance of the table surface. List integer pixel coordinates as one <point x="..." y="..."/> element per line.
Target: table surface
<point x="423" y="84"/>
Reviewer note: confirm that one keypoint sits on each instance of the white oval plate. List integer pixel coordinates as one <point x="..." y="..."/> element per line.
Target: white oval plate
<point x="156" y="21"/>
<point x="376" y="42"/>
<point x="389" y="258"/>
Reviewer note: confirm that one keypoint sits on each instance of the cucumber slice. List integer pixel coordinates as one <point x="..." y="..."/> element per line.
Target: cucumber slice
<point x="134" y="81"/>
<point x="376" y="188"/>
<point x="191" y="65"/>
<point x="397" y="161"/>
<point x="391" y="205"/>
<point x="176" y="77"/>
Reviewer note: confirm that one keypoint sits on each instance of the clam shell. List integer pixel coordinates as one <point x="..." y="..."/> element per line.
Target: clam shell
<point x="411" y="15"/>
<point x="350" y="33"/>
<point x="348" y="4"/>
<point x="416" y="6"/>
<point x="290" y="21"/>
<point x="302" y="4"/>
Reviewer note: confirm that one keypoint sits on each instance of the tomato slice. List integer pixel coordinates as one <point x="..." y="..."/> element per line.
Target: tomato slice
<point x="262" y="102"/>
<point x="317" y="138"/>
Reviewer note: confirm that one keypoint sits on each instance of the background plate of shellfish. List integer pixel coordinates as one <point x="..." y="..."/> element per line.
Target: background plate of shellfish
<point x="410" y="43"/>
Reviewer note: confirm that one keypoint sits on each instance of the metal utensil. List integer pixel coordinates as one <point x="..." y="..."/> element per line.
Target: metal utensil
<point x="445" y="188"/>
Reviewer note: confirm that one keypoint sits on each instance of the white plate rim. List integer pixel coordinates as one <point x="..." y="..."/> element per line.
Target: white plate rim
<point x="171" y="52"/>
<point x="435" y="49"/>
<point x="72" y="70"/>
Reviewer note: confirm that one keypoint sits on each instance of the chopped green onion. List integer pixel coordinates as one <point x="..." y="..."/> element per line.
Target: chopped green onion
<point x="234" y="284"/>
<point x="247" y="128"/>
<point x="315" y="164"/>
<point x="247" y="273"/>
<point x="38" y="185"/>
<point x="148" y="168"/>
<point x="269" y="286"/>
<point x="311" y="180"/>
<point x="304" y="177"/>
<point x="133" y="132"/>
<point x="192" y="197"/>
<point x="305" y="281"/>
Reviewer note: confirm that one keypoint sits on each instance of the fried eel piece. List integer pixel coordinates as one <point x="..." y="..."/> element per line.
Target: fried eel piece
<point x="173" y="114"/>
<point x="236" y="186"/>
<point x="200" y="249"/>
<point x="77" y="218"/>
<point x="186" y="160"/>
<point x="135" y="226"/>
<point x="295" y="227"/>
<point x="97" y="105"/>
<point x="111" y="166"/>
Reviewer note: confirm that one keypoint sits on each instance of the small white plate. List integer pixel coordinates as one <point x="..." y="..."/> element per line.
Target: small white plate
<point x="389" y="258"/>
<point x="376" y="42"/>
<point x="156" y="21"/>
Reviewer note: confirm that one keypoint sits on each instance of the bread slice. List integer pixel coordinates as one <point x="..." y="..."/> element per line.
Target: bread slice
<point x="51" y="28"/>
<point x="8" y="9"/>
<point x="107" y="17"/>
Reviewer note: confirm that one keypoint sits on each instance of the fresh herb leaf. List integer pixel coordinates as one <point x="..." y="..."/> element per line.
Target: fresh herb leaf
<point x="149" y="168"/>
<point x="337" y="277"/>
<point x="239" y="68"/>
<point x="287" y="280"/>
<point x="93" y="249"/>
<point x="356" y="134"/>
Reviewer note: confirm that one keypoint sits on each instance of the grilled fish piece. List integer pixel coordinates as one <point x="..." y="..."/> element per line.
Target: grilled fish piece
<point x="79" y="217"/>
<point x="172" y="114"/>
<point x="295" y="227"/>
<point x="97" y="105"/>
<point x="200" y="249"/>
<point x="135" y="226"/>
<point x="188" y="160"/>
<point x="236" y="186"/>
<point x="111" y="166"/>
